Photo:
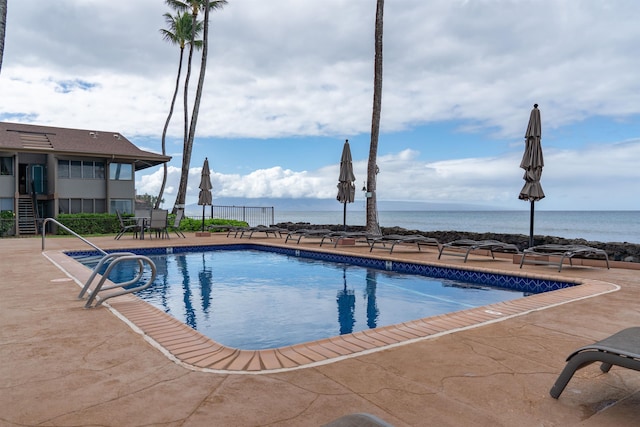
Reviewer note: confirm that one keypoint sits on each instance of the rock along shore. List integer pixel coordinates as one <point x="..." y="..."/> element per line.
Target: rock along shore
<point x="617" y="251"/>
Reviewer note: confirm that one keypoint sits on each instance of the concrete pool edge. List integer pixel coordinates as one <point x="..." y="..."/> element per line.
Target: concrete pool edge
<point x="194" y="351"/>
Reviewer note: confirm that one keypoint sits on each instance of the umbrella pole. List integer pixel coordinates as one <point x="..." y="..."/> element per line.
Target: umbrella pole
<point x="531" y="225"/>
<point x="344" y="216"/>
<point x="203" y="218"/>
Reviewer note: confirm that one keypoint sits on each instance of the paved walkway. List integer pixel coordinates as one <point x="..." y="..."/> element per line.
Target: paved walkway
<point x="63" y="365"/>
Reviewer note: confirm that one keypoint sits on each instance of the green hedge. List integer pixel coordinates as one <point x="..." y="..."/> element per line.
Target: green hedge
<point x="86" y="224"/>
<point x="192" y="224"/>
<point x="7" y="221"/>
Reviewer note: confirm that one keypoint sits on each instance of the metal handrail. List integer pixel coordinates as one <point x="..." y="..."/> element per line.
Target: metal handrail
<point x="44" y="232"/>
<point x="114" y="258"/>
<point x="98" y="267"/>
<point x="117" y="258"/>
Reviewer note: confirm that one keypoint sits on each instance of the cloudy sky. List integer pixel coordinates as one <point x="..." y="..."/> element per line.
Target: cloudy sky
<point x="290" y="80"/>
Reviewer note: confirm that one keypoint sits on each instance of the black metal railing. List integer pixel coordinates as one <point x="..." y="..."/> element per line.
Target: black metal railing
<point x="252" y="215"/>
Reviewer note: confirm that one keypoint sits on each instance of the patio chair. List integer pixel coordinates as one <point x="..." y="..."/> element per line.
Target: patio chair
<point x="126" y="226"/>
<point x="175" y="227"/>
<point x="158" y="223"/>
<point x="620" y="349"/>
<point x="394" y="239"/>
<point x="142" y="218"/>
<point x="142" y="213"/>
<point x="464" y="247"/>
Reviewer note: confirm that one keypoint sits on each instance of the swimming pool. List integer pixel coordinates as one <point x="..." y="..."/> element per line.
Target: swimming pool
<point x="223" y="292"/>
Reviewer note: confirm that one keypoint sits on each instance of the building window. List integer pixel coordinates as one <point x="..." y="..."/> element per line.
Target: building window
<point x="121" y="171"/>
<point x="87" y="205"/>
<point x="6" y="204"/>
<point x="74" y="206"/>
<point x="87" y="170"/>
<point x="63" y="168"/>
<point x="63" y="206"/>
<point x="100" y="205"/>
<point x="80" y="169"/>
<point x="121" y="205"/>
<point x="6" y="165"/>
<point x="98" y="170"/>
<point x="76" y="169"/>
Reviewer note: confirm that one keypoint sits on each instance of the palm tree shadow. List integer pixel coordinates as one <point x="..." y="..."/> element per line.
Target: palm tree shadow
<point x="346" y="299"/>
<point x="206" y="280"/>
<point x="370" y="294"/>
<point x="190" y="315"/>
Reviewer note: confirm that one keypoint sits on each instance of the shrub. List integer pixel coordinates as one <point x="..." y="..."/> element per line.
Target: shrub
<point x="85" y="223"/>
<point x="192" y="224"/>
<point x="7" y="220"/>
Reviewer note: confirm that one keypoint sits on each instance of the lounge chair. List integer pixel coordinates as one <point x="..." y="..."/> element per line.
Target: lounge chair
<point x="464" y="247"/>
<point x="358" y="420"/>
<point x="277" y="232"/>
<point x="126" y="226"/>
<point x="306" y="232"/>
<point x="556" y="254"/>
<point x="235" y="229"/>
<point x="394" y="239"/>
<point x="620" y="349"/>
<point x="337" y="236"/>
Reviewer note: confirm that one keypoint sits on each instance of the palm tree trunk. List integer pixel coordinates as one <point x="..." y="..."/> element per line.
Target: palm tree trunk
<point x="199" y="88"/>
<point x="3" y="26"/>
<point x="190" y="134"/>
<point x="166" y="127"/>
<point x="372" y="168"/>
<point x="181" y="195"/>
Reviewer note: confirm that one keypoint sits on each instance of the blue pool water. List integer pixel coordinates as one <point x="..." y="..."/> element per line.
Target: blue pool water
<point x="256" y="299"/>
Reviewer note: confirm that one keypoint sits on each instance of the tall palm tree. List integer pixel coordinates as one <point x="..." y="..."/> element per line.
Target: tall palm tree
<point x="372" y="168"/>
<point x="178" y="33"/>
<point x="195" y="6"/>
<point x="3" y="26"/>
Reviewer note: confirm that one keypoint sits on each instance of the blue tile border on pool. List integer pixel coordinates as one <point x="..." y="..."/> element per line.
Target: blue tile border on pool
<point x="514" y="282"/>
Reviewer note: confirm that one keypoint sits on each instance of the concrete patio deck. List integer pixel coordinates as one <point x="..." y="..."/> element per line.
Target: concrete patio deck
<point x="64" y="365"/>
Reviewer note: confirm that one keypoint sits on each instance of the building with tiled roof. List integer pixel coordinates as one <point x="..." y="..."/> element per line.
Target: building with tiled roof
<point x="61" y="170"/>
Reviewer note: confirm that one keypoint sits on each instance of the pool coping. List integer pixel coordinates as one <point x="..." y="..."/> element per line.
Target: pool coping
<point x="191" y="349"/>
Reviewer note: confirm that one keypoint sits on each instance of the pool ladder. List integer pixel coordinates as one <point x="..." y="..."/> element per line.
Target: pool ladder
<point x="113" y="259"/>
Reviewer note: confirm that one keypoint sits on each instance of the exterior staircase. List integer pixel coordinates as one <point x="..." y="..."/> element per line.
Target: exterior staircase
<point x="26" y="216"/>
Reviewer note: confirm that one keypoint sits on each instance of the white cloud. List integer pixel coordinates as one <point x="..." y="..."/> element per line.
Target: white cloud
<point x="305" y="68"/>
<point x="291" y="68"/>
<point x="487" y="181"/>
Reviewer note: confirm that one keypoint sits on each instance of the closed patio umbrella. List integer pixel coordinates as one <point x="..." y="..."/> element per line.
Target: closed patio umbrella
<point x="532" y="163"/>
<point x="205" y="198"/>
<point x="346" y="187"/>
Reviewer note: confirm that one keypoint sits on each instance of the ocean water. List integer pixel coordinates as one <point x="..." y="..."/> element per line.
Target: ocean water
<point x="600" y="226"/>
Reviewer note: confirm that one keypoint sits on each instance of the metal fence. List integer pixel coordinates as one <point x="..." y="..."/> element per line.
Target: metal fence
<point x="252" y="215"/>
